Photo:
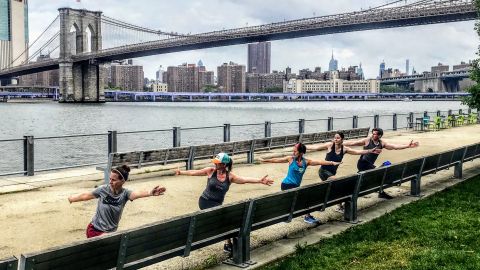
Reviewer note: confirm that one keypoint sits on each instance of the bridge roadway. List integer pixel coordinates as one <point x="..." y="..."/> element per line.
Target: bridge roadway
<point x="436" y="12"/>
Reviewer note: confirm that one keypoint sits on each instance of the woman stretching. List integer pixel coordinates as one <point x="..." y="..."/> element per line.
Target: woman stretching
<point x="219" y="179"/>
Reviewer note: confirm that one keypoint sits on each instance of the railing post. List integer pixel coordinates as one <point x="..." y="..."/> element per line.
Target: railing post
<point x="28" y="156"/>
<point x="330" y="123"/>
<point x="416" y="181"/>
<point x="439" y="113"/>
<point x="376" y="120"/>
<point x="355" y="121"/>
<point x="449" y="112"/>
<point x="268" y="129"/>
<point x="301" y="126"/>
<point x="226" y="132"/>
<point x="394" y="124"/>
<point x="112" y="141"/>
<point x="176" y="136"/>
<point x="410" y="120"/>
<point x="425" y="114"/>
<point x="251" y="152"/>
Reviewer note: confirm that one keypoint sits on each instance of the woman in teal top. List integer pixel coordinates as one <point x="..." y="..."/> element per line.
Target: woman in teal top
<point x="297" y="164"/>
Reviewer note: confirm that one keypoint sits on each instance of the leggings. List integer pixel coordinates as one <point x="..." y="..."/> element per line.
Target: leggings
<point x="205" y="203"/>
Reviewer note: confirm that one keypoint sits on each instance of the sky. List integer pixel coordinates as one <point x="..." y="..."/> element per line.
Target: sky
<point x="424" y="46"/>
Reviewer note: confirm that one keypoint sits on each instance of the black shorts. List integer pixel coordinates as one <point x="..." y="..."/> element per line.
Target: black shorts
<point x="363" y="165"/>
<point x="205" y="203"/>
<point x="325" y="174"/>
<point x="288" y="186"/>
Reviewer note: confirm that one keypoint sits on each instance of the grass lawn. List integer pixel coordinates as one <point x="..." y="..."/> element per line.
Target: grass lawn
<point x="439" y="232"/>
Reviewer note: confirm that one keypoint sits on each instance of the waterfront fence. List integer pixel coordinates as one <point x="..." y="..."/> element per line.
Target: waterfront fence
<point x="35" y="154"/>
<point x="178" y="236"/>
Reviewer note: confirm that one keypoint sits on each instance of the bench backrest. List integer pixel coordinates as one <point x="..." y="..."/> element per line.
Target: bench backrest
<point x="9" y="264"/>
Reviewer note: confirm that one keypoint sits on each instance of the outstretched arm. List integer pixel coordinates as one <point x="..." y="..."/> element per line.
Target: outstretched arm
<point x="202" y="172"/>
<point x="237" y="179"/>
<point x="311" y="162"/>
<point x="362" y="152"/>
<point x="391" y="146"/>
<point x="81" y="197"/>
<point x="360" y="142"/>
<point x="276" y="160"/>
<point x="323" y="146"/>
<point x="156" y="191"/>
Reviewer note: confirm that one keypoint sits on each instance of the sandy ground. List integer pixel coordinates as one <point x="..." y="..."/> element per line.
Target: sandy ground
<point x="43" y="218"/>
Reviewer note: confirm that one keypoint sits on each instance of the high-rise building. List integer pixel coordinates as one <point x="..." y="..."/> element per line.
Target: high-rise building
<point x="259" y="57"/>
<point x="44" y="78"/>
<point x="407" y="67"/>
<point x="13" y="33"/>
<point x="127" y="77"/>
<point x="333" y="64"/>
<point x="159" y="74"/>
<point x="382" y="69"/>
<point x="231" y="78"/>
<point x="188" y="78"/>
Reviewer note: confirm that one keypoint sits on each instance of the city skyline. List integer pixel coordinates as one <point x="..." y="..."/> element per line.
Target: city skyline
<point x="457" y="41"/>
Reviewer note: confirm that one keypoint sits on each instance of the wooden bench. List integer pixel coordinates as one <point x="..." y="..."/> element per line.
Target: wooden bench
<point x="189" y="154"/>
<point x="9" y="264"/>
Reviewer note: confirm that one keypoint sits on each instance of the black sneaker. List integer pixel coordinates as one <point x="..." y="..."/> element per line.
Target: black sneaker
<point x="384" y="195"/>
<point x="227" y="248"/>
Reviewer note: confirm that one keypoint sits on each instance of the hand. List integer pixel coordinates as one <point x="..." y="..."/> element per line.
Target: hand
<point x="266" y="181"/>
<point x="157" y="191"/>
<point x="413" y="144"/>
<point x="336" y="163"/>
<point x="70" y="199"/>
<point x="375" y="150"/>
<point x="262" y="160"/>
<point x="177" y="171"/>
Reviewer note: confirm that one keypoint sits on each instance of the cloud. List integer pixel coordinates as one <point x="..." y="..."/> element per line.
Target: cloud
<point x="424" y="46"/>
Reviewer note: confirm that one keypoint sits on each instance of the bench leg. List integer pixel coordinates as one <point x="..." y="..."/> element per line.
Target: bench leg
<point x="350" y="212"/>
<point x="457" y="173"/>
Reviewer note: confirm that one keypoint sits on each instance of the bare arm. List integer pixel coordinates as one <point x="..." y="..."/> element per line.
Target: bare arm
<point x="237" y="179"/>
<point x="81" y="197"/>
<point x="311" y="162"/>
<point x="276" y="160"/>
<point x="362" y="152"/>
<point x="360" y="142"/>
<point x="202" y="172"/>
<point x="390" y="146"/>
<point x="156" y="191"/>
<point x="323" y="146"/>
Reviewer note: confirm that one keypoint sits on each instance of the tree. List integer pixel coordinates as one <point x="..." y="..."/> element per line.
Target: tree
<point x="473" y="101"/>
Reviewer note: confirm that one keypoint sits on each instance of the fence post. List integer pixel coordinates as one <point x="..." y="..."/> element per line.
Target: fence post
<point x="410" y="120"/>
<point x="251" y="152"/>
<point x="112" y="141"/>
<point x="176" y="136"/>
<point x="28" y="156"/>
<point x="376" y="119"/>
<point x="330" y="123"/>
<point x="268" y="129"/>
<point x="301" y="126"/>
<point x="355" y="121"/>
<point x="226" y="132"/>
<point x="394" y="124"/>
<point x="416" y="181"/>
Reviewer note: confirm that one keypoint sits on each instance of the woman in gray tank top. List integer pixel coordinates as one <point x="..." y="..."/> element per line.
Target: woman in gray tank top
<point x="111" y="201"/>
<point x="218" y="183"/>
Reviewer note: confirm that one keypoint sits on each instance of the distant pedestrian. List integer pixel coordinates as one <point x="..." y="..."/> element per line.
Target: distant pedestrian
<point x="367" y="161"/>
<point x="296" y="169"/>
<point x="218" y="183"/>
<point x="111" y="201"/>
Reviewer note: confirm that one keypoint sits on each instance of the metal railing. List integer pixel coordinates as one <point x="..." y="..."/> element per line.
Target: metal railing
<point x="35" y="154"/>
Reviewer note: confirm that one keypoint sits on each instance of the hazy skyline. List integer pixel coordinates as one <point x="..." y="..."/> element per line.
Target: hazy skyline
<point x="425" y="46"/>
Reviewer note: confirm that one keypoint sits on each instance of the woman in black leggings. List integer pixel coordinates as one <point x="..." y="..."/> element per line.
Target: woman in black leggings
<point x="219" y="179"/>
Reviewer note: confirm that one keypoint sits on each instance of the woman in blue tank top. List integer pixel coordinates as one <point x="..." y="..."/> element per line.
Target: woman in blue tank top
<point x="218" y="183"/>
<point x="297" y="165"/>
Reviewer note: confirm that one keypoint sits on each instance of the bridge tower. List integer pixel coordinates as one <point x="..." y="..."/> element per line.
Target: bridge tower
<point x="80" y="32"/>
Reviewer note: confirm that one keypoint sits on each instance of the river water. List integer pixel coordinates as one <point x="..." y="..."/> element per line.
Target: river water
<point x="52" y="119"/>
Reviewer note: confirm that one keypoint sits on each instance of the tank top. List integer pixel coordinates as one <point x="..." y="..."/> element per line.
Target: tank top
<point x="216" y="190"/>
<point x="295" y="173"/>
<point x="371" y="157"/>
<point x="333" y="156"/>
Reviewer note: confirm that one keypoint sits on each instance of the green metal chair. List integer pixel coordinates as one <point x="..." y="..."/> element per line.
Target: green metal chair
<point x="460" y="120"/>
<point x="472" y="118"/>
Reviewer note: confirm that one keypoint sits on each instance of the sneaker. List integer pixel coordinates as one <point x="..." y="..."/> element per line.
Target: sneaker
<point x="384" y="195"/>
<point x="310" y="219"/>
<point x="227" y="248"/>
<point x="340" y="209"/>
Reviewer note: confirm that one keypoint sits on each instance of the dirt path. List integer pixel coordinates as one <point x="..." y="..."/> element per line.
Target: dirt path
<point x="40" y="219"/>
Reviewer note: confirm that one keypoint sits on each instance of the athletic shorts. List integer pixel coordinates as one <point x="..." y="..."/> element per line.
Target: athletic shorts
<point x="363" y="165"/>
<point x="205" y="203"/>
<point x="324" y="174"/>
<point x="288" y="186"/>
<point x="92" y="232"/>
